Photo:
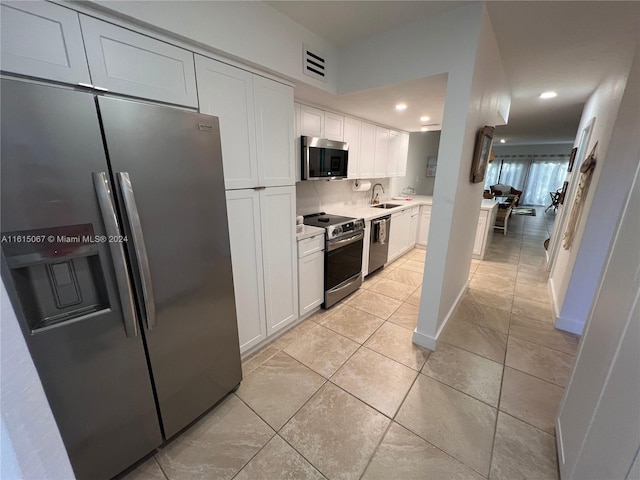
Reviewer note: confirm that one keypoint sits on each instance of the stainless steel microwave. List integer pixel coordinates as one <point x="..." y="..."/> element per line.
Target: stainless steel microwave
<point x="324" y="159"/>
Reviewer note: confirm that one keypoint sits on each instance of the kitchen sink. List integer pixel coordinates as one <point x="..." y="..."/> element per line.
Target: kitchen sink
<point x="387" y="205"/>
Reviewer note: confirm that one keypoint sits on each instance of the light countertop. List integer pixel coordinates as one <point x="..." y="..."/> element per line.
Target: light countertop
<point x="371" y="212"/>
<point x="488" y="204"/>
<point x="309" y="231"/>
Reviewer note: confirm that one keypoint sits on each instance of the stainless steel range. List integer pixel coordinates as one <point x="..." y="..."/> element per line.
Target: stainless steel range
<point x="342" y="254"/>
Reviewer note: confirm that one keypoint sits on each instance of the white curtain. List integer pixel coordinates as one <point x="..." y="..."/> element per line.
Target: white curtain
<point x="546" y="175"/>
<point x="514" y="172"/>
<point x="492" y="173"/>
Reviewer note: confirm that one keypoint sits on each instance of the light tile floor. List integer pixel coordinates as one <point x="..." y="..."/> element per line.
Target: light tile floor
<point x="347" y="395"/>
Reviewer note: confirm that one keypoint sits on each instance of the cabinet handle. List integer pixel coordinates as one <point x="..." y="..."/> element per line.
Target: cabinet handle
<point x="259" y="188"/>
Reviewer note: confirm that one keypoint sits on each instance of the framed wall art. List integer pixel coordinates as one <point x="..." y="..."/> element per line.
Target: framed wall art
<point x="481" y="154"/>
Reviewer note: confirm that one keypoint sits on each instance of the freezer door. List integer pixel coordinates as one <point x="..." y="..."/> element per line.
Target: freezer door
<point x="168" y="166"/>
<point x="64" y="287"/>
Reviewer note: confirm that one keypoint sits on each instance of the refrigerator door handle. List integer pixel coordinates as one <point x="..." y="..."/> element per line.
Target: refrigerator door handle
<point x="139" y="246"/>
<point x="105" y="200"/>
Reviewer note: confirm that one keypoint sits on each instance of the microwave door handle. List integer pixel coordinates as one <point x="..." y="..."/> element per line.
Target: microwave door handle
<point x="131" y="208"/>
<point x="108" y="211"/>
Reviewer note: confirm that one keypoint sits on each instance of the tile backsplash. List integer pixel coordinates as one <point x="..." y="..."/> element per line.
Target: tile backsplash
<point x="322" y="196"/>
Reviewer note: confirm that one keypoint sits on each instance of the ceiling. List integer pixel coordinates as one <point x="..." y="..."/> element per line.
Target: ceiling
<point x="565" y="46"/>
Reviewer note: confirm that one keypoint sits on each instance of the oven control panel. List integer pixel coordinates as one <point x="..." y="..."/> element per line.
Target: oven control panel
<point x="335" y="231"/>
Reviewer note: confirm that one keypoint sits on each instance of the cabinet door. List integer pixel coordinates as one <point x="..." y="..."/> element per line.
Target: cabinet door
<point x="126" y="62"/>
<point x="243" y="211"/>
<point x="381" y="156"/>
<point x="403" y="154"/>
<point x="423" y="226"/>
<point x="367" y="150"/>
<point x="297" y="145"/>
<point x="413" y="229"/>
<point x="278" y="207"/>
<point x="43" y="40"/>
<point x="394" y="152"/>
<point x="398" y="234"/>
<point x="227" y="93"/>
<point x="274" y="132"/>
<point x="333" y="126"/>
<point x="311" y="281"/>
<point x="311" y="121"/>
<point x="352" y="129"/>
<point x="480" y="233"/>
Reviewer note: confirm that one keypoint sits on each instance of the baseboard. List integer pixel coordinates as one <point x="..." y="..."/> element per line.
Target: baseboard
<point x="555" y="308"/>
<point x="568" y="325"/>
<point x="429" y="342"/>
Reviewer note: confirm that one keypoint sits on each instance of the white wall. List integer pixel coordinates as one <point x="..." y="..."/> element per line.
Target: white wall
<point x="533" y="149"/>
<point x="576" y="272"/>
<point x="31" y="444"/>
<point x="599" y="420"/>
<point x="421" y="146"/>
<point x="335" y="196"/>
<point x="473" y="100"/>
<point x="251" y="32"/>
<point x="461" y="43"/>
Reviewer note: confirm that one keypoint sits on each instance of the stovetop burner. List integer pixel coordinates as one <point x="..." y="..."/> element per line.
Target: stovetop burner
<point x="323" y="219"/>
<point x="336" y="226"/>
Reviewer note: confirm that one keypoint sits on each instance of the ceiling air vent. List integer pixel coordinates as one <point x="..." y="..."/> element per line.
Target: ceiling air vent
<point x="313" y="63"/>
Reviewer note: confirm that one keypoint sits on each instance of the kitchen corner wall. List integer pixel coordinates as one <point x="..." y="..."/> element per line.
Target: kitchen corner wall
<point x="335" y="196"/>
<point x="421" y="146"/>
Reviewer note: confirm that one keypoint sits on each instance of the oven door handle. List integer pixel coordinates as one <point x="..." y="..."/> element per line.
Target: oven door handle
<point x="335" y="244"/>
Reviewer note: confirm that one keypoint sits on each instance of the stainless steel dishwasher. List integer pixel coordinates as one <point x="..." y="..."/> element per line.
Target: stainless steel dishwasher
<point x="379" y="243"/>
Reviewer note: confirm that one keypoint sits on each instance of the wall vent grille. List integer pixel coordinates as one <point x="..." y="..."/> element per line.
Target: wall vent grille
<point x="313" y="63"/>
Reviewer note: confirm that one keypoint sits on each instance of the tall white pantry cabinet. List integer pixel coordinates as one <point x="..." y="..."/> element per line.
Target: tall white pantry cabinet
<point x="256" y="130"/>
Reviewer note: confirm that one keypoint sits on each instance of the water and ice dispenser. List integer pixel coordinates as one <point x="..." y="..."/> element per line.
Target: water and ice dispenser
<point x="57" y="273"/>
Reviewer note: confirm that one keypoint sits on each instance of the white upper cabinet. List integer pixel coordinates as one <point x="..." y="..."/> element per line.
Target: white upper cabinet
<point x="352" y="129"/>
<point x="311" y="121"/>
<point x="274" y="116"/>
<point x="381" y="156"/>
<point x="256" y="124"/>
<point x="374" y="151"/>
<point x="126" y="62"/>
<point x="403" y="154"/>
<point x="394" y="152"/>
<point x="367" y="150"/>
<point x="227" y="93"/>
<point x="43" y="40"/>
<point x="333" y="126"/>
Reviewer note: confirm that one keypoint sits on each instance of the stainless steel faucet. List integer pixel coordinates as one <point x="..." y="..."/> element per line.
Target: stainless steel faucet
<point x="374" y="200"/>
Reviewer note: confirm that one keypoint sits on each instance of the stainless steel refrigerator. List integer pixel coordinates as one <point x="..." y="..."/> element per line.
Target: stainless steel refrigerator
<point x="115" y="253"/>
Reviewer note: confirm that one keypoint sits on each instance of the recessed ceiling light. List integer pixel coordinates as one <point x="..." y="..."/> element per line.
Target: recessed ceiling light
<point x="502" y="140"/>
<point x="401" y="106"/>
<point x="424" y="129"/>
<point x="548" y="95"/>
<point x="424" y="119"/>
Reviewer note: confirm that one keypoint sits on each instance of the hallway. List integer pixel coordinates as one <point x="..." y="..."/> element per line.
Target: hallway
<point x="345" y="394"/>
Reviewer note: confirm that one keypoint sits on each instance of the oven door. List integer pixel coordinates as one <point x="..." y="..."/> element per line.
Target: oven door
<point x="343" y="267"/>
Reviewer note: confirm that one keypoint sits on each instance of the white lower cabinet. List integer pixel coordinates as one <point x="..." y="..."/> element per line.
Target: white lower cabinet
<point x="264" y="260"/>
<point x="423" y="225"/>
<point x="399" y="235"/>
<point x="310" y="273"/>
<point x="484" y="232"/>
<point x="479" y="240"/>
